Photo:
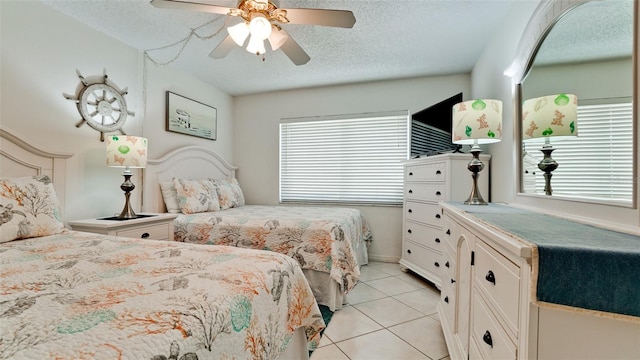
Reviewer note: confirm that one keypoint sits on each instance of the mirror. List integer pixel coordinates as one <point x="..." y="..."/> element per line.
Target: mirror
<point x="587" y="52"/>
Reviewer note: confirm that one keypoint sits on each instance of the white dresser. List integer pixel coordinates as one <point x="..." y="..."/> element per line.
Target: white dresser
<point x="487" y="311"/>
<point x="427" y="181"/>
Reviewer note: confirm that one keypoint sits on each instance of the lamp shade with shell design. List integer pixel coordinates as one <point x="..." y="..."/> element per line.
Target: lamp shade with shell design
<point x="126" y="151"/>
<point x="551" y="115"/>
<point x="477" y="122"/>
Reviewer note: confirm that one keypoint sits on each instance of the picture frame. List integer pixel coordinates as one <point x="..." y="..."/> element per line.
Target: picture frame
<point x="190" y="117"/>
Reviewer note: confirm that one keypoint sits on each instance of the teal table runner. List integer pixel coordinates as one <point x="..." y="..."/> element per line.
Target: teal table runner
<point x="579" y="265"/>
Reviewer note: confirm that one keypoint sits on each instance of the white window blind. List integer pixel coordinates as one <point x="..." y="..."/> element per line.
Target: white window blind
<point x="598" y="162"/>
<point x="344" y="159"/>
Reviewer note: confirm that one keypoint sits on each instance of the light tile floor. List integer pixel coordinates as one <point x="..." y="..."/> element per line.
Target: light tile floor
<point x="390" y="315"/>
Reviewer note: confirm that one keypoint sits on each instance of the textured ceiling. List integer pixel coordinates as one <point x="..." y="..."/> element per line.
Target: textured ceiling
<point x="597" y="30"/>
<point x="390" y="40"/>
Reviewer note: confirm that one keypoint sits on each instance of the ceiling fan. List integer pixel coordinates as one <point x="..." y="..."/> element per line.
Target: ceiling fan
<point x="262" y="19"/>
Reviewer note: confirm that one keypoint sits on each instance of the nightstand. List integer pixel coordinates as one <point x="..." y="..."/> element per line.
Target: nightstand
<point x="152" y="226"/>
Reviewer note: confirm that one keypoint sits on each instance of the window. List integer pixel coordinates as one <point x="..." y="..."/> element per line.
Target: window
<point x="352" y="159"/>
<point x="599" y="161"/>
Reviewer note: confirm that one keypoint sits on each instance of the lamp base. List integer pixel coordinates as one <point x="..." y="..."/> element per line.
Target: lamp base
<point x="127" y="186"/>
<point x="475" y="166"/>
<point x="547" y="164"/>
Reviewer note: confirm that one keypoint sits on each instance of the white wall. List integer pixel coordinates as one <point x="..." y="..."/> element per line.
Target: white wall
<point x="162" y="79"/>
<point x="593" y="80"/>
<point x="488" y="81"/>
<point x="256" y="146"/>
<point x="41" y="50"/>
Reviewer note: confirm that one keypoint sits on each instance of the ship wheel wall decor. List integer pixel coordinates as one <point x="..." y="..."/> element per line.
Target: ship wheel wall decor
<point x="101" y="104"/>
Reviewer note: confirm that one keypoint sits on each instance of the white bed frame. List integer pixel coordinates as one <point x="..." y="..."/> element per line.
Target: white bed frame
<point x="196" y="163"/>
<point x="18" y="158"/>
<point x="190" y="162"/>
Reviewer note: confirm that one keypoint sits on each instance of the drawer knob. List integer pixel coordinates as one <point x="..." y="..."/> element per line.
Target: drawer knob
<point x="437" y="216"/>
<point x="409" y="231"/>
<point x="446" y="264"/>
<point x="438" y="172"/>
<point x="453" y="281"/>
<point x="487" y="338"/>
<point x="409" y="251"/>
<point x="446" y="299"/>
<point x="448" y="231"/>
<point x="410" y="191"/>
<point x="490" y="277"/>
<point x="437" y="240"/>
<point x="411" y="174"/>
<point x="438" y="193"/>
<point x="145" y="236"/>
<point x="437" y="264"/>
<point x="410" y="211"/>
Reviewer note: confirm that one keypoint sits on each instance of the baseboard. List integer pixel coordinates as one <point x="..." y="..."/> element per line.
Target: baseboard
<point x="384" y="258"/>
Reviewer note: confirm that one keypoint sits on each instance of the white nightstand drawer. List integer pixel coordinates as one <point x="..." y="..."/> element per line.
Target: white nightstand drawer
<point x="157" y="232"/>
<point x="488" y="334"/>
<point x="426" y="172"/>
<point x="429" y="192"/>
<point x="424" y="213"/>
<point x="424" y="235"/>
<point x="500" y="280"/>
<point x="147" y="226"/>
<point x="427" y="259"/>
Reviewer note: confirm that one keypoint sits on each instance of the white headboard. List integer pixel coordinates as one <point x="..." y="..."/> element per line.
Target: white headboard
<point x="189" y="162"/>
<point x="18" y="158"/>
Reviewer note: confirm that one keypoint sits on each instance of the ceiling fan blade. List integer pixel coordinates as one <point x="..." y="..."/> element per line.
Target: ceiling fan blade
<point x="294" y="52"/>
<point x="192" y="6"/>
<point x="323" y="17"/>
<point x="223" y="48"/>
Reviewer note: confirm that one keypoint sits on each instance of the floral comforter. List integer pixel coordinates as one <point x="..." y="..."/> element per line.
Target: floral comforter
<point x="319" y="238"/>
<point x="84" y="296"/>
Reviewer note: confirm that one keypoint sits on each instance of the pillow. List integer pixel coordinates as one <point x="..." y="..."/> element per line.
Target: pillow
<point x="170" y="196"/>
<point x="28" y="208"/>
<point x="196" y="196"/>
<point x="229" y="193"/>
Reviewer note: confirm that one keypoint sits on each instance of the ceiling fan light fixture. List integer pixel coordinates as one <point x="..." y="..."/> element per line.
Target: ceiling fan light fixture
<point x="260" y="26"/>
<point x="239" y="33"/>
<point x="277" y="38"/>
<point x="256" y="46"/>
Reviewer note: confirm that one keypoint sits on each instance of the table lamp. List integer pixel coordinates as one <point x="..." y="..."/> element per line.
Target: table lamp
<point x="127" y="152"/>
<point x="547" y="116"/>
<point x="476" y="122"/>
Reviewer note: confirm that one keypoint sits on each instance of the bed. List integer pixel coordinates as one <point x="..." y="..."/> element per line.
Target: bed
<point x="72" y="295"/>
<point x="329" y="243"/>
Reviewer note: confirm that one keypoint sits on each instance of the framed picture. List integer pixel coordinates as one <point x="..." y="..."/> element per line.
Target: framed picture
<point x="190" y="117"/>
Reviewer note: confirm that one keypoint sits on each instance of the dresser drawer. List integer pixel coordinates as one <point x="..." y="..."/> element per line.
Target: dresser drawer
<point x="448" y="265"/>
<point x="429" y="192"/>
<point x="426" y="172"/>
<point x="156" y="232"/>
<point x="424" y="213"/>
<point x="447" y="233"/>
<point x="500" y="280"/>
<point x="424" y="235"/>
<point x="426" y="258"/>
<point x="447" y="297"/>
<point x="490" y="337"/>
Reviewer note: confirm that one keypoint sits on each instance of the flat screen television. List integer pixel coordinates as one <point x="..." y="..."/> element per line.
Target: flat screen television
<point x="431" y="129"/>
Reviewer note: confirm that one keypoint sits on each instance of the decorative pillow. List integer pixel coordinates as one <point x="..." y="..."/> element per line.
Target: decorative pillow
<point x="28" y="208"/>
<point x="229" y="193"/>
<point x="170" y="196"/>
<point x="196" y="196"/>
